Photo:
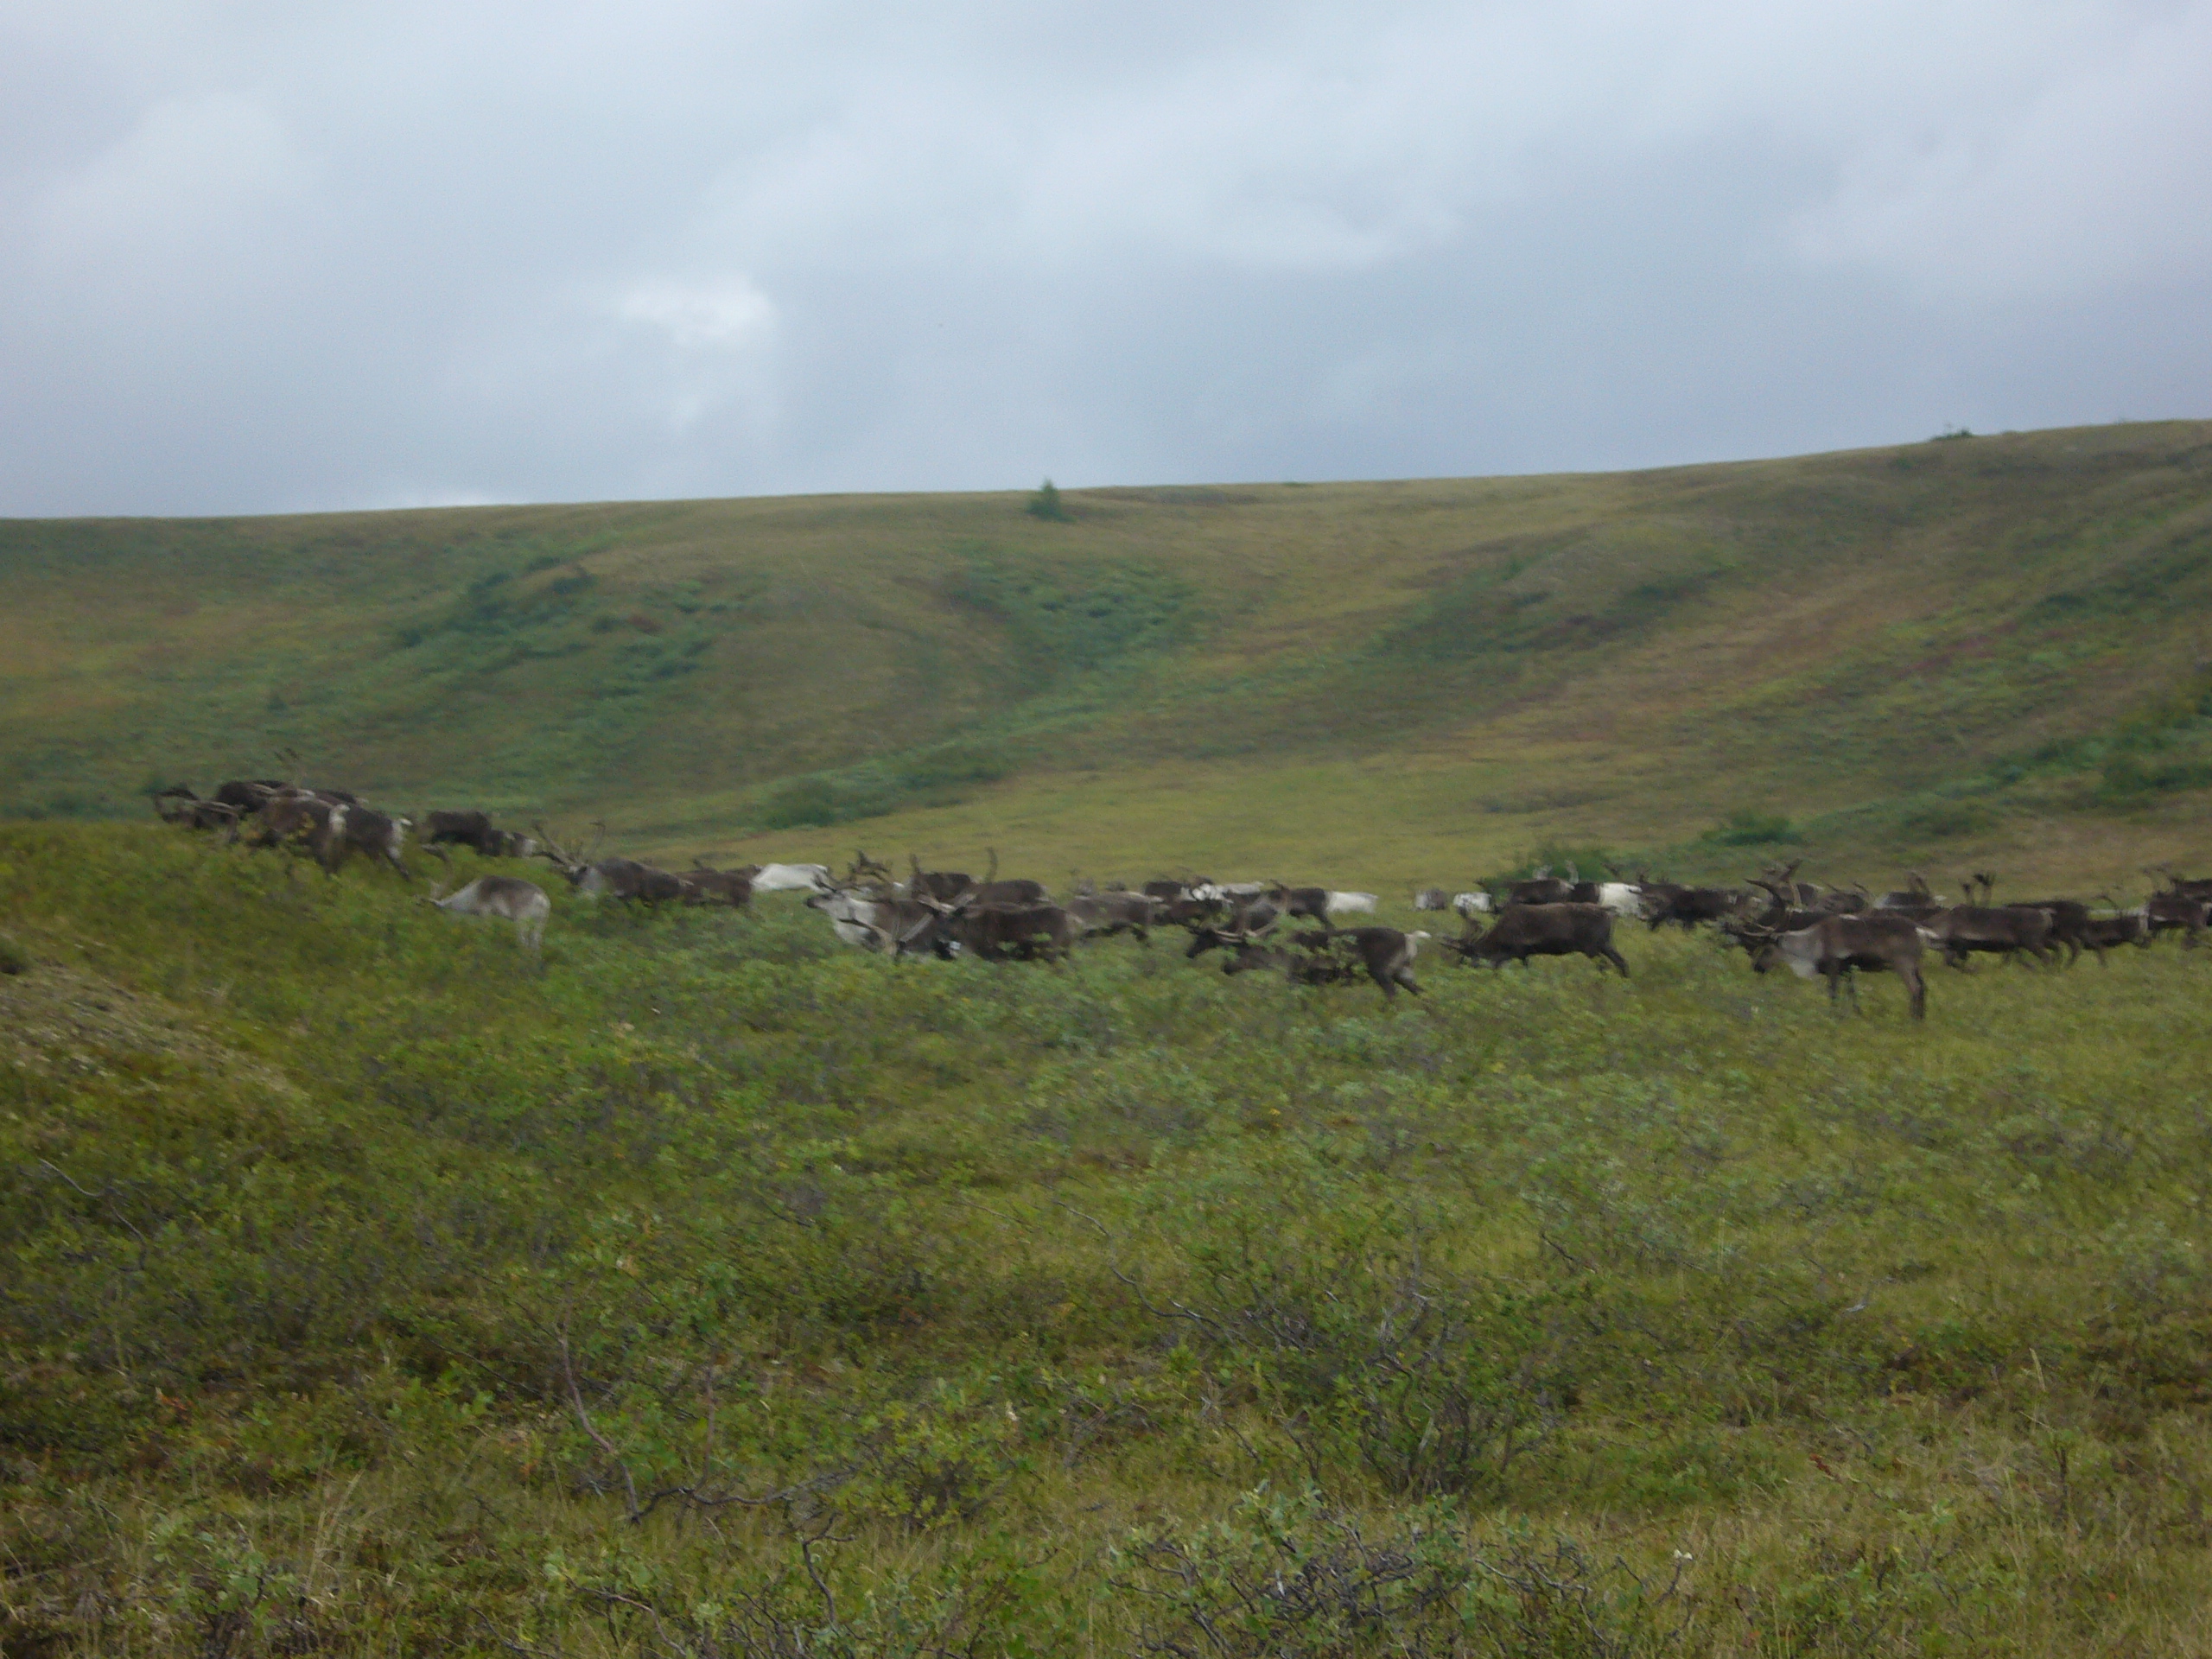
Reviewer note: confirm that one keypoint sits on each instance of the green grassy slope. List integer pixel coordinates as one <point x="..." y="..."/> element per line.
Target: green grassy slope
<point x="359" y="1283"/>
<point x="1986" y="647"/>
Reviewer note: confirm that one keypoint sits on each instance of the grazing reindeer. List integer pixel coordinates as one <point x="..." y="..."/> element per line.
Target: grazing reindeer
<point x="508" y="896"/>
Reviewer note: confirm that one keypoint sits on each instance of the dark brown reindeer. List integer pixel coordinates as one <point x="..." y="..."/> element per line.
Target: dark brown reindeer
<point x="2104" y="933"/>
<point x="177" y="804"/>
<point x="1670" y="901"/>
<point x="1525" y="931"/>
<point x="704" y="885"/>
<point x="993" y="932"/>
<point x="944" y="886"/>
<point x="1311" y="903"/>
<point x="2010" y="931"/>
<point x="1541" y="889"/>
<point x="291" y="819"/>
<point x="1104" y="914"/>
<point x="473" y="830"/>
<point x="1917" y="899"/>
<point x="1248" y="921"/>
<point x="1015" y="890"/>
<point x="2181" y="908"/>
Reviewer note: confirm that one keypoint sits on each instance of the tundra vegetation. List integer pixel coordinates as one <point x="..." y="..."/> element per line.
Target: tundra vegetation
<point x="700" y="1286"/>
<point x="1931" y="653"/>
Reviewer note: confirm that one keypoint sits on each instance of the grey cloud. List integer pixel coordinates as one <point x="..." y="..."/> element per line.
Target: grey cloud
<point x="263" y="257"/>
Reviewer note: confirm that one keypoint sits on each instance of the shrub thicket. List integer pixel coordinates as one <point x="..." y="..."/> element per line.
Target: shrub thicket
<point x="708" y="1289"/>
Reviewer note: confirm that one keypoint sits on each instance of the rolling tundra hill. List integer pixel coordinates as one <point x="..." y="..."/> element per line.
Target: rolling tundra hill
<point x="1987" y="648"/>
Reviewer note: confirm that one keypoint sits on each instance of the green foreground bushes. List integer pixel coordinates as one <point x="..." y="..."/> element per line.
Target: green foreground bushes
<point x="710" y="1290"/>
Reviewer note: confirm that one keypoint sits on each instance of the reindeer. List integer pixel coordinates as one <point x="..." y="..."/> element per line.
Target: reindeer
<point x="1248" y="921"/>
<point x="1386" y="954"/>
<point x="993" y="933"/>
<point x="943" y="884"/>
<point x="473" y="829"/>
<point x="1917" y="899"/>
<point x="2009" y="930"/>
<point x="178" y="805"/>
<point x="1670" y="901"/>
<point x="1017" y="890"/>
<point x="1108" y="913"/>
<point x="2175" y="912"/>
<point x="1541" y="889"/>
<point x="1311" y="903"/>
<point x="2103" y="933"/>
<point x="1525" y="931"/>
<point x="247" y="796"/>
<point x="349" y="829"/>
<point x="883" y="922"/>
<point x="291" y="817"/>
<point x="704" y="885"/>
<point x="791" y="878"/>
<point x="625" y="879"/>
<point x="2181" y="908"/>
<point x="507" y="897"/>
<point x="1836" y="946"/>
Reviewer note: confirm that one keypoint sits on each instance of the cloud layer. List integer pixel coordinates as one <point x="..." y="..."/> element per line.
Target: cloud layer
<point x="258" y="257"/>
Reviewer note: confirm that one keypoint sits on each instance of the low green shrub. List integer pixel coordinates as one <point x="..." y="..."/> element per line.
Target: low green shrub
<point x="1747" y="828"/>
<point x="1947" y="820"/>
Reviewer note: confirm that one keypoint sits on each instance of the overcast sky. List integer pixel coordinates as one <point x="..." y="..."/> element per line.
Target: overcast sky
<point x="271" y="255"/>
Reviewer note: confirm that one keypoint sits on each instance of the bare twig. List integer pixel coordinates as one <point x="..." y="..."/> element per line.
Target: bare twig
<point x="105" y="1196"/>
<point x="577" y="1398"/>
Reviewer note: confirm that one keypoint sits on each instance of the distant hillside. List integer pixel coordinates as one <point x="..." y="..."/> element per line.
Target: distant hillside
<point x="1972" y="647"/>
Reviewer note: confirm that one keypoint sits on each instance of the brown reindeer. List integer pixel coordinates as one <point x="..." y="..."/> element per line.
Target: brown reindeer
<point x="1525" y="931"/>
<point x="1836" y="947"/>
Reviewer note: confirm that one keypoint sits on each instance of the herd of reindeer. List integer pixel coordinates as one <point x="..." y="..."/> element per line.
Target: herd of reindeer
<point x="1827" y="933"/>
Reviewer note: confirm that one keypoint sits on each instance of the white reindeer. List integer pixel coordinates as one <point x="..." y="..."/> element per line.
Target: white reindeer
<point x="789" y="878"/>
<point x="521" y="902"/>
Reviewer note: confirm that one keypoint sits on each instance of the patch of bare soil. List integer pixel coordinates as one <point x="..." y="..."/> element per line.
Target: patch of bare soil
<point x="61" y="1021"/>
